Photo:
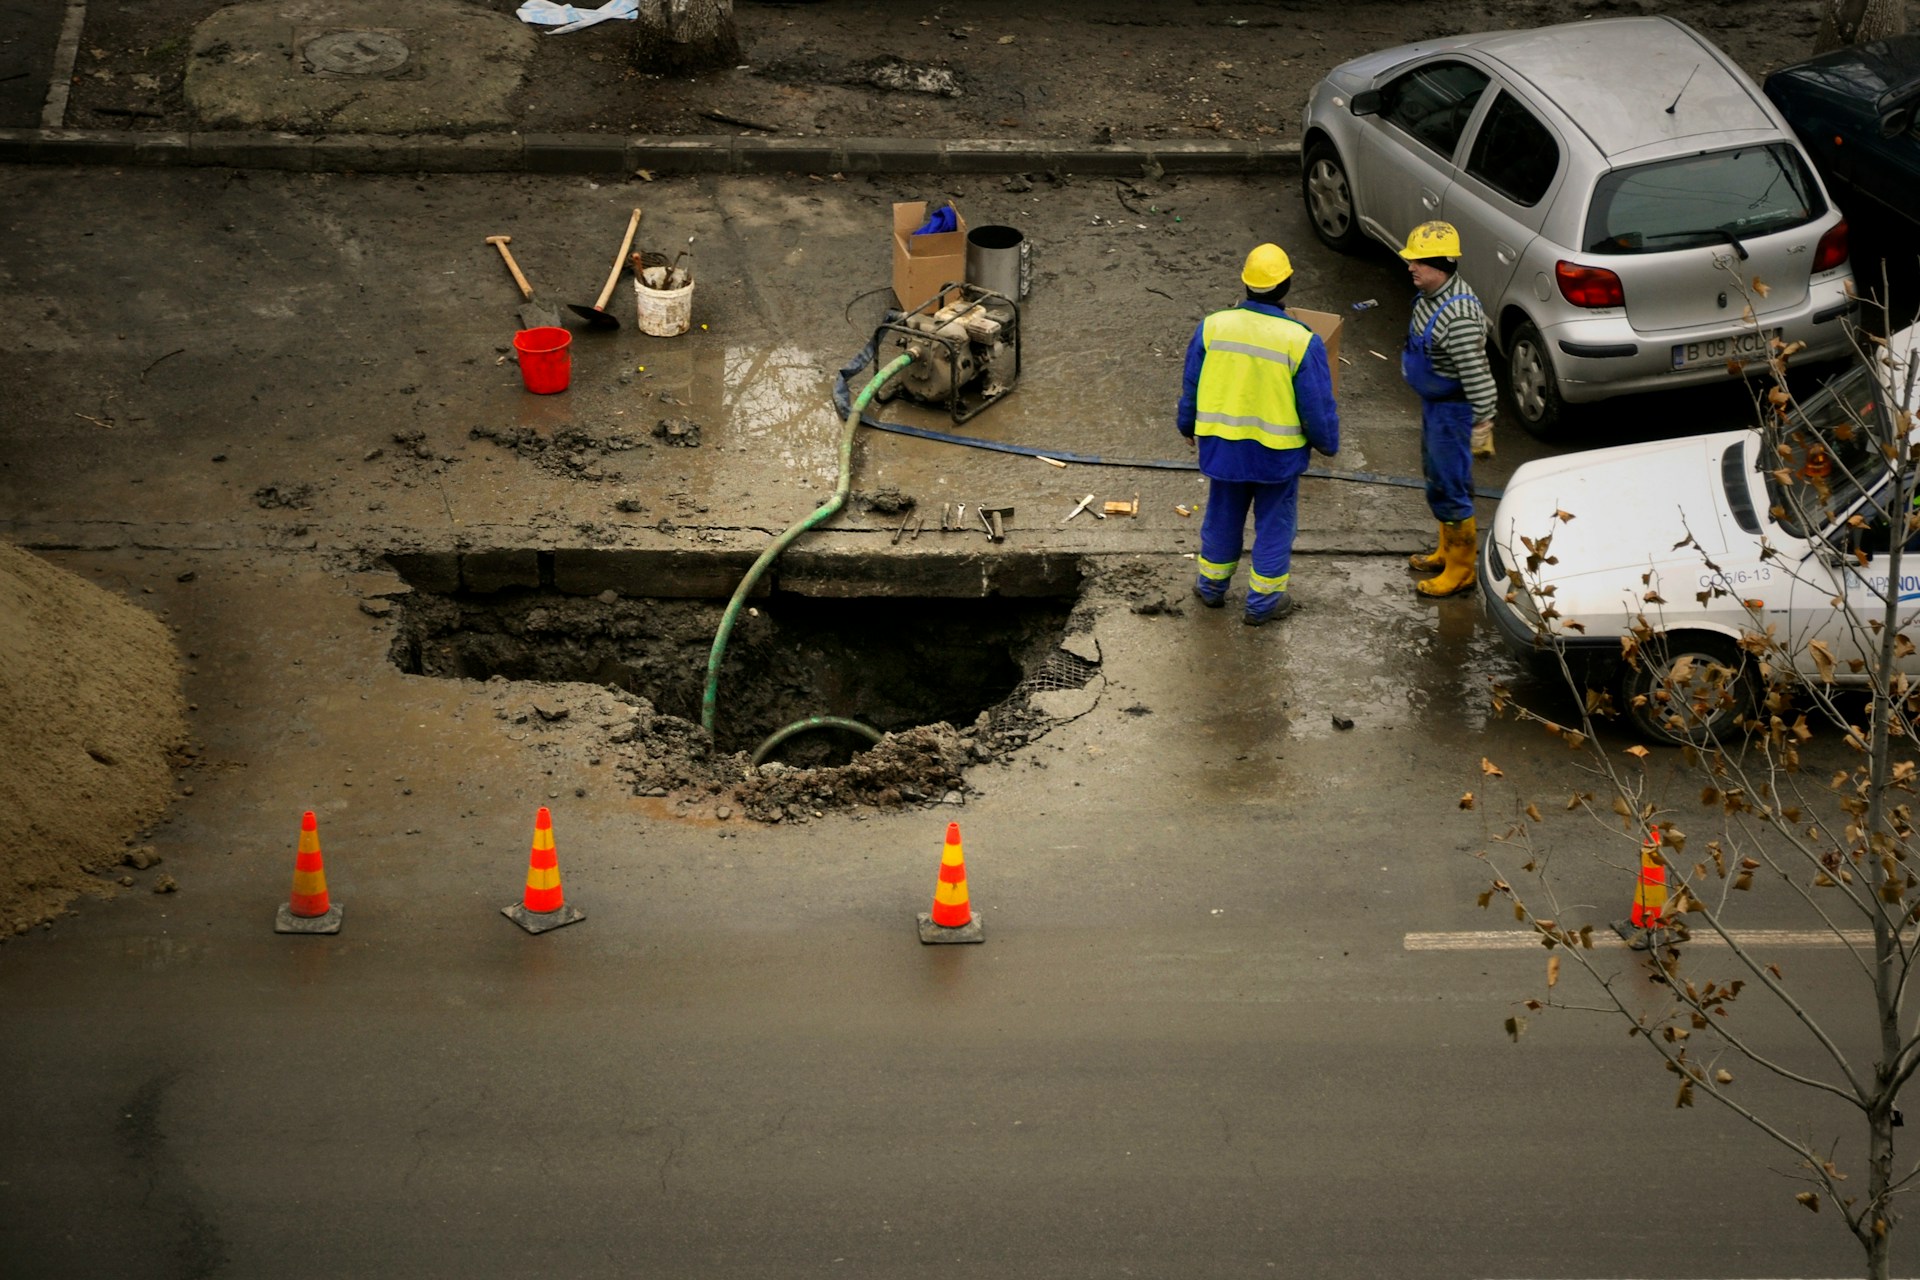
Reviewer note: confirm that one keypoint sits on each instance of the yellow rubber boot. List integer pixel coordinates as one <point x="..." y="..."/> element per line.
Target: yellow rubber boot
<point x="1459" y="543"/>
<point x="1430" y="561"/>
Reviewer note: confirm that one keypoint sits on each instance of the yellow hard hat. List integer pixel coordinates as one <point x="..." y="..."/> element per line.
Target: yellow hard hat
<point x="1432" y="240"/>
<point x="1266" y="267"/>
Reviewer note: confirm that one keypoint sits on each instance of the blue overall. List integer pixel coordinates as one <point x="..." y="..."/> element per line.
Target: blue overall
<point x="1446" y="425"/>
<point x="1254" y="440"/>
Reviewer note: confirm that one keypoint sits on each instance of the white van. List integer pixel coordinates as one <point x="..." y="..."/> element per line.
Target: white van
<point x="1626" y="553"/>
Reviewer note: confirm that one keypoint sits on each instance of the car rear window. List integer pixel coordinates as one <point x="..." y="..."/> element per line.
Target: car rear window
<point x="1714" y="198"/>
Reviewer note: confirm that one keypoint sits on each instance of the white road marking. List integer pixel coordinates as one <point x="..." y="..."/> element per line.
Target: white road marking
<point x="54" y="114"/>
<point x="1516" y="940"/>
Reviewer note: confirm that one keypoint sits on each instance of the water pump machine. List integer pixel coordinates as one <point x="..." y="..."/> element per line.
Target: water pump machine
<point x="966" y="352"/>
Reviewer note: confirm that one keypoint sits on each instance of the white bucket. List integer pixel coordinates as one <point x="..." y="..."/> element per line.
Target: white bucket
<point x="664" y="312"/>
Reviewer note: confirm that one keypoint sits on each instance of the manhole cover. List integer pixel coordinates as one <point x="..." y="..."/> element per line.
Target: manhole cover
<point x="357" y="53"/>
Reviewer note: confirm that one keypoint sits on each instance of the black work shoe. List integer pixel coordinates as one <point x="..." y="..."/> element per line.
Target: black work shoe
<point x="1212" y="602"/>
<point x="1281" y="608"/>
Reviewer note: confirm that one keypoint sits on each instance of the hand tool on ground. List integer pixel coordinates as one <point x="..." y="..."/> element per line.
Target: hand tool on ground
<point x="597" y="316"/>
<point x="1083" y="504"/>
<point x="996" y="518"/>
<point x="534" y="315"/>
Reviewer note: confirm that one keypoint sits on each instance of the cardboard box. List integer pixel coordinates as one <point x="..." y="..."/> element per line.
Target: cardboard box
<point x="921" y="264"/>
<point x="1327" y="325"/>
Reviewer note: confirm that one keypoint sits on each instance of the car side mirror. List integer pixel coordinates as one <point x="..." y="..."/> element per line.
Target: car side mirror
<point x="1365" y="103"/>
<point x="1896" y="122"/>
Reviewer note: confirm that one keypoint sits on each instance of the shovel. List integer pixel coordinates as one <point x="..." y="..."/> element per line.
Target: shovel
<point x="597" y="316"/>
<point x="533" y="315"/>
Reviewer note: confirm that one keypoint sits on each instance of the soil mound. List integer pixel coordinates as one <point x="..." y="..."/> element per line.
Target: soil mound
<point x="94" y="712"/>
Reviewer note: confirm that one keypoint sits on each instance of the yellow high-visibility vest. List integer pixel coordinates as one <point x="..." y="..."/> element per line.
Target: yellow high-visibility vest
<point x="1239" y="396"/>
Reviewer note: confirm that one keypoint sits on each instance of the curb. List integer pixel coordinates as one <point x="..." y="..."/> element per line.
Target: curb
<point x="593" y="153"/>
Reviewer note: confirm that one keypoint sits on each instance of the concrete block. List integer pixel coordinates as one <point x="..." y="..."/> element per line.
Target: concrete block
<point x="959" y="575"/>
<point x="575" y="153"/>
<point x="783" y="155"/>
<point x="483" y="572"/>
<point x="365" y="153"/>
<point x="479" y="153"/>
<point x="436" y="571"/>
<point x="83" y="146"/>
<point x="992" y="155"/>
<point x="698" y="154"/>
<point x="250" y="150"/>
<point x="161" y="150"/>
<point x="664" y="573"/>
<point x="1225" y="156"/>
<point x="892" y="155"/>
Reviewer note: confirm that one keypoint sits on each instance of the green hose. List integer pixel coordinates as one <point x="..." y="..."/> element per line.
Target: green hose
<point x="779" y="544"/>
<point x="814" y="722"/>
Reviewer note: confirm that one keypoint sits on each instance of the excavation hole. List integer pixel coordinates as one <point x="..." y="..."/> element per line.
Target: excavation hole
<point x="893" y="664"/>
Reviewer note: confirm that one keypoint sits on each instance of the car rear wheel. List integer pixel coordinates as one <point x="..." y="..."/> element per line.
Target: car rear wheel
<point x="1329" y="196"/>
<point x="1533" y="393"/>
<point x="1688" y="688"/>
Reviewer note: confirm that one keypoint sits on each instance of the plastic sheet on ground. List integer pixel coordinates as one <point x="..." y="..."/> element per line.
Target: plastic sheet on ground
<point x="565" y="17"/>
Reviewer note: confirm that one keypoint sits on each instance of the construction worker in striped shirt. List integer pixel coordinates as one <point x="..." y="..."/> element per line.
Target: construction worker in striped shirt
<point x="1257" y="394"/>
<point x="1445" y="362"/>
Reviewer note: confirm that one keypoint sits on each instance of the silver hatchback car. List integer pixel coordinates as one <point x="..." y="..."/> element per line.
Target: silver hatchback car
<point x="1634" y="214"/>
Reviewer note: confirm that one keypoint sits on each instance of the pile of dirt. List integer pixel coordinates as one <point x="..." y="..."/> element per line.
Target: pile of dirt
<point x="575" y="453"/>
<point x="95" y="723"/>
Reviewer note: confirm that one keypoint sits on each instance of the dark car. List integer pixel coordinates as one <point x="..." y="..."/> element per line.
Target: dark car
<point x="1854" y="110"/>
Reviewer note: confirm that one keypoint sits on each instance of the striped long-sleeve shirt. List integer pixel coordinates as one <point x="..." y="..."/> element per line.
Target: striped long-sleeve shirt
<point x="1459" y="343"/>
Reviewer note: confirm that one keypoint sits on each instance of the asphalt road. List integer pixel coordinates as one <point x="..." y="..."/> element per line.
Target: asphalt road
<point x="1195" y="1041"/>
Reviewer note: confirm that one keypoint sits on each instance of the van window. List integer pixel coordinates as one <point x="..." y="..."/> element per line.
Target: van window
<point x="1689" y="201"/>
<point x="1513" y="153"/>
<point x="1433" y="102"/>
<point x="1831" y="456"/>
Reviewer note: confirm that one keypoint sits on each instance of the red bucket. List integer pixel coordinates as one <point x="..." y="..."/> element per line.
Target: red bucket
<point x="546" y="364"/>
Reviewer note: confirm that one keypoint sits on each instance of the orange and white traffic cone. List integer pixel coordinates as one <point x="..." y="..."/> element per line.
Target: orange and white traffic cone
<point x="1645" y="927"/>
<point x="952" y="918"/>
<point x="543" y="906"/>
<point x="308" y="909"/>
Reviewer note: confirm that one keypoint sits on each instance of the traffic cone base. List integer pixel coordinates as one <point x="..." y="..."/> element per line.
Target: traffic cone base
<point x="543" y="906"/>
<point x="931" y="933"/>
<point x="287" y="922"/>
<point x="308" y="908"/>
<point x="952" y="918"/>
<point x="541" y="921"/>
<point x="1641" y="938"/>
<point x="1644" y="926"/>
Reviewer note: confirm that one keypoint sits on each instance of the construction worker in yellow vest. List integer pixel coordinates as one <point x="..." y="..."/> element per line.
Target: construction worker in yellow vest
<point x="1257" y="395"/>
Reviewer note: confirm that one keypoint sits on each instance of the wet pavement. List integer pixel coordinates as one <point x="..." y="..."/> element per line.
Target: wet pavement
<point x="1194" y="1039"/>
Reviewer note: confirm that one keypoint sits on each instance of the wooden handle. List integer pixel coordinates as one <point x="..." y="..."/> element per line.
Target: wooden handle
<point x="619" y="262"/>
<point x="500" y="243"/>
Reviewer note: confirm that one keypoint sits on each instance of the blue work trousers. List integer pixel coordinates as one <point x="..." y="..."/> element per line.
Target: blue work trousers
<point x="1275" y="507"/>
<point x="1446" y="457"/>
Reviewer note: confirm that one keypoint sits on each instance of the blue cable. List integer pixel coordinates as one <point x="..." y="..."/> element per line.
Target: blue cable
<point x="842" y="401"/>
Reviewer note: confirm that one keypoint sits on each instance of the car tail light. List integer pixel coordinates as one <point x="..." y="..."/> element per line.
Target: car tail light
<point x="1833" y="248"/>
<point x="1591" y="286"/>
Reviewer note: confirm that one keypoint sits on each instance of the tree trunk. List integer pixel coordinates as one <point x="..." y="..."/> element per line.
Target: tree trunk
<point x="1845" y="22"/>
<point x="679" y="36"/>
